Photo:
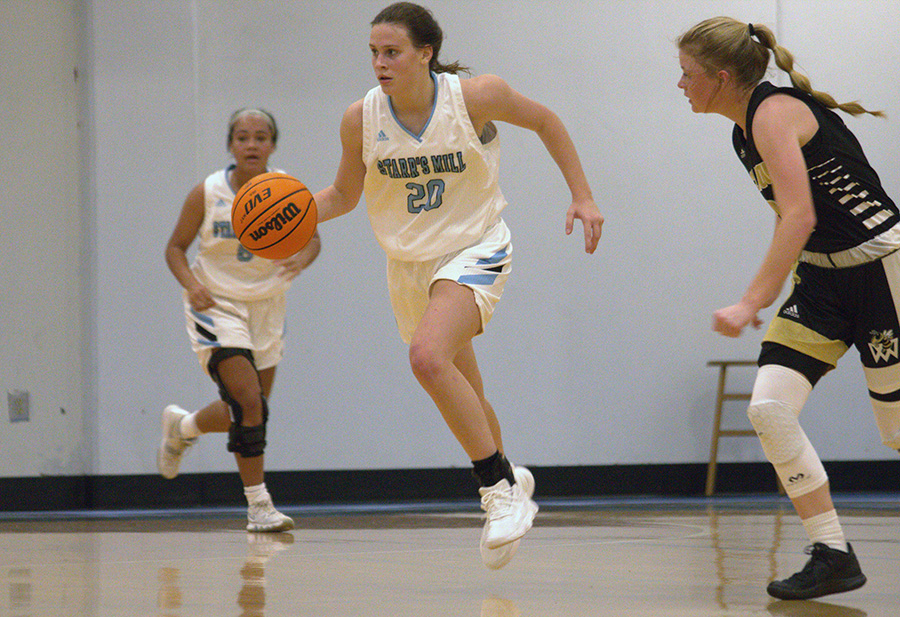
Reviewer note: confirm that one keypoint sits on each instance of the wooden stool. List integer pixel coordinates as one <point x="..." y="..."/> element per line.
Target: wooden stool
<point x="718" y="431"/>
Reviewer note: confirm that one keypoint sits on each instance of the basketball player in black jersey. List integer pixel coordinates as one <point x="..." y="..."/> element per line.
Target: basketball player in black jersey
<point x="839" y="233"/>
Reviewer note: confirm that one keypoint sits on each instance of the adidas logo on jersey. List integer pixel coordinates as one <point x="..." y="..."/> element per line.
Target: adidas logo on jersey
<point x="382" y="136"/>
<point x="791" y="311"/>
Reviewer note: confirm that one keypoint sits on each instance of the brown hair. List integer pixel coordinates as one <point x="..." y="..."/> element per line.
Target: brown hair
<point x="423" y="31"/>
<point x="252" y="111"/>
<point x="743" y="49"/>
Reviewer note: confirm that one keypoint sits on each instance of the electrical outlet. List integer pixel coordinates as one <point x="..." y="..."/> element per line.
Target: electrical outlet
<point x="18" y="405"/>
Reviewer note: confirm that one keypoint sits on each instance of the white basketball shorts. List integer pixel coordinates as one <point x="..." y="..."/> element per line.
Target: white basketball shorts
<point x="256" y="325"/>
<point x="482" y="267"/>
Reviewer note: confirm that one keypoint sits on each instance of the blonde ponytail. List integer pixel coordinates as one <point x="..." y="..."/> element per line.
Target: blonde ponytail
<point x="785" y="61"/>
<point x="725" y="43"/>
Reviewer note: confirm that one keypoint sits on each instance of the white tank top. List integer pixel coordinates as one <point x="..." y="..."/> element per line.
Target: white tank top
<point x="222" y="265"/>
<point x="434" y="193"/>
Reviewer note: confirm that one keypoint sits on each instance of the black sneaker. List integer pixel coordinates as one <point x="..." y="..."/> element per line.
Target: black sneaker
<point x="827" y="571"/>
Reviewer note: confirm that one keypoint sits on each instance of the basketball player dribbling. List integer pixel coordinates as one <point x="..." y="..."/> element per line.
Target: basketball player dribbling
<point x="423" y="147"/>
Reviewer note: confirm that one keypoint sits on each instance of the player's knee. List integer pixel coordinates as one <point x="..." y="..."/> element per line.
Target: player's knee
<point x="251" y="402"/>
<point x="787" y="447"/>
<point x="778" y="429"/>
<point x="425" y="363"/>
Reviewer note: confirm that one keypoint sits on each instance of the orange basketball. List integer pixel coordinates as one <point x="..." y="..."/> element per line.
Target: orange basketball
<point x="274" y="215"/>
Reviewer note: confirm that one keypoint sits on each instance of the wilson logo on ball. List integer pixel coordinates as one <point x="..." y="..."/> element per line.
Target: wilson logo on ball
<point x="278" y="222"/>
<point x="274" y="215"/>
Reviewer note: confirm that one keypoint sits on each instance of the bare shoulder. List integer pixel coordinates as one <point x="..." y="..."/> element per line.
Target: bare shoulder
<point x="196" y="195"/>
<point x="487" y="98"/>
<point x="482" y="87"/>
<point x="352" y="122"/>
<point x="782" y="106"/>
<point x="354" y="114"/>
<point x="782" y="114"/>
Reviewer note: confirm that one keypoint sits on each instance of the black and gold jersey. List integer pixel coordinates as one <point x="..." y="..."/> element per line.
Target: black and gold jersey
<point x="851" y="206"/>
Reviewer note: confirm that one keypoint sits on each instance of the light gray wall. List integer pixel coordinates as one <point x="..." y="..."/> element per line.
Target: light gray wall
<point x="41" y="294"/>
<point x="589" y="360"/>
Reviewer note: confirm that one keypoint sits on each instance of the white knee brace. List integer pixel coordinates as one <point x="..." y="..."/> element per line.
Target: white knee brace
<point x="778" y="396"/>
<point x="885" y="383"/>
<point x="887" y="416"/>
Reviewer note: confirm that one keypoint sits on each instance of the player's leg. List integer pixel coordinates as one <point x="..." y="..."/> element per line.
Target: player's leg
<point x="241" y="390"/>
<point x="241" y="387"/>
<point x="878" y="342"/>
<point x="467" y="364"/>
<point x="450" y="321"/>
<point x="779" y="394"/>
<point x="884" y="393"/>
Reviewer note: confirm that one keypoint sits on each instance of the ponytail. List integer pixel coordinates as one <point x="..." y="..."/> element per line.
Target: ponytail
<point x="725" y="43"/>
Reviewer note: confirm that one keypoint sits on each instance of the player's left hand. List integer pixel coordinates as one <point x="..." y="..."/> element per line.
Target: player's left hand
<point x="290" y="267"/>
<point x="587" y="211"/>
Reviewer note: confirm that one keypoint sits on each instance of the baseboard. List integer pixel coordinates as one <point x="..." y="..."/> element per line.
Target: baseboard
<point x="115" y="492"/>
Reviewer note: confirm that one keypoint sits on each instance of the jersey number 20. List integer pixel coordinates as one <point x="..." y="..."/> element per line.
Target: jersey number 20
<point x="425" y="197"/>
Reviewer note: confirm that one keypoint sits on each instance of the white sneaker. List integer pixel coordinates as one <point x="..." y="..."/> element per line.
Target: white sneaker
<point x="172" y="445"/>
<point x="525" y="478"/>
<point x="262" y="516"/>
<point x="496" y="558"/>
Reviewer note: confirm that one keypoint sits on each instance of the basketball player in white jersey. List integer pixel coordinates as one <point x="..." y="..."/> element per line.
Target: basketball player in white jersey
<point x="234" y="307"/>
<point x="423" y="147"/>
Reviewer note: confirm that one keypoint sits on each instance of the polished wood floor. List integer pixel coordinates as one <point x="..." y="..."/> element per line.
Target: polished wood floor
<point x="691" y="558"/>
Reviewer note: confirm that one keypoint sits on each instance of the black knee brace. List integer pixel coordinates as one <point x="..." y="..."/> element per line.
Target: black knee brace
<point x="248" y="441"/>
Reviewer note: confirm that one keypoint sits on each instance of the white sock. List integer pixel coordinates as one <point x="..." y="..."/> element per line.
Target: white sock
<point x="255" y="493"/>
<point x="188" y="426"/>
<point x="826" y="528"/>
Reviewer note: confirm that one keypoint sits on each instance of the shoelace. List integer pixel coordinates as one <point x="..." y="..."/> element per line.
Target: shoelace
<point x="263" y="507"/>
<point x="816" y="565"/>
<point x="498" y="504"/>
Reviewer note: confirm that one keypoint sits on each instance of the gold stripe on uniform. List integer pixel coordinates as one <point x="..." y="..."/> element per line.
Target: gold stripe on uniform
<point x="800" y="338"/>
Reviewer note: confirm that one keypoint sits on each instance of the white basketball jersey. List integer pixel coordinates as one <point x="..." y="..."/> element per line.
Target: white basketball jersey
<point x="434" y="193"/>
<point x="222" y="265"/>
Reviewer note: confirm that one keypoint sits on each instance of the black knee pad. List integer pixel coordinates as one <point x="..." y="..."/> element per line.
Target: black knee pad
<point x="248" y="441"/>
<point x="223" y="353"/>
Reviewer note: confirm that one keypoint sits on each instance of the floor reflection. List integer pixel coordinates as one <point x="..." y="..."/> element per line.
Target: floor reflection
<point x="499" y="607"/>
<point x="260" y="548"/>
<point x="168" y="597"/>
<point x="812" y="608"/>
<point x="251" y="596"/>
<point x="736" y="540"/>
<point x="20" y="590"/>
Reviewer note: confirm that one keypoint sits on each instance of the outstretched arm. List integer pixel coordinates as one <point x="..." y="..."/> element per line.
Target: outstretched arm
<point x="343" y="195"/>
<point x="489" y="97"/>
